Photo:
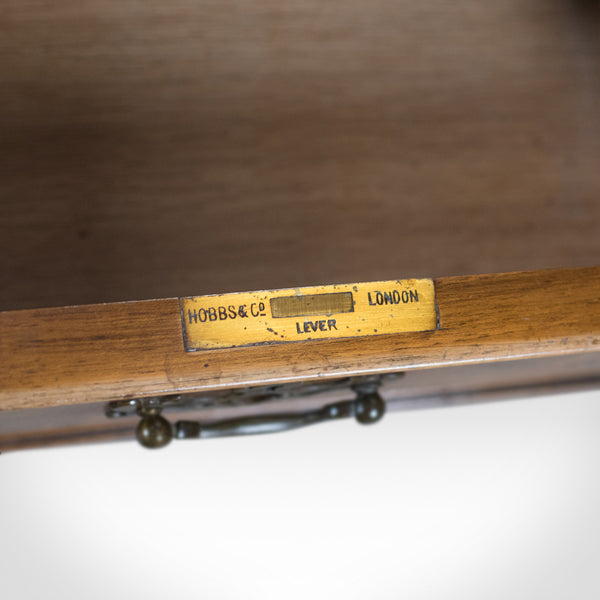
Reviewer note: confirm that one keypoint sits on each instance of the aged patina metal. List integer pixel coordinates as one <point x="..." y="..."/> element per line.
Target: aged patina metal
<point x="155" y="431"/>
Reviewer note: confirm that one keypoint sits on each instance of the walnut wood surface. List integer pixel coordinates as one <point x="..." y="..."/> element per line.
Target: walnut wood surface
<point x="84" y="354"/>
<point x="153" y="149"/>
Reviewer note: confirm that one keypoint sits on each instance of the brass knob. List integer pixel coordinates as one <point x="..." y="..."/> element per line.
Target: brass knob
<point x="154" y="431"/>
<point x="370" y="407"/>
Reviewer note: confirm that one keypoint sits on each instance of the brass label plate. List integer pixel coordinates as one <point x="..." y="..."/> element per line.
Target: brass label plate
<point x="310" y="313"/>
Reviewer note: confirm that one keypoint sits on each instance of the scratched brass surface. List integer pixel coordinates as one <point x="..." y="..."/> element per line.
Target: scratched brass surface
<point x="331" y="312"/>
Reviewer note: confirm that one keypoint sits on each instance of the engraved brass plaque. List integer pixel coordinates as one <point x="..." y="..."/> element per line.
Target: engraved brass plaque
<point x="310" y="313"/>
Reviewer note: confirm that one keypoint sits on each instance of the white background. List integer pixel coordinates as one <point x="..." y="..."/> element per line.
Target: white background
<point x="492" y="501"/>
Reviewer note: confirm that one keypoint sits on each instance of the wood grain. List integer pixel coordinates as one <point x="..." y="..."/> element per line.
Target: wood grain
<point x="76" y="355"/>
<point x="417" y="390"/>
<point x="152" y="150"/>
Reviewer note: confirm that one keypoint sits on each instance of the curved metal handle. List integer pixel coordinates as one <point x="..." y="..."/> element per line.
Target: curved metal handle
<point x="154" y="431"/>
<point x="273" y="423"/>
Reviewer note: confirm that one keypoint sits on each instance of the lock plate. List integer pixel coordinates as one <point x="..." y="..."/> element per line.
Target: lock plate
<point x="308" y="314"/>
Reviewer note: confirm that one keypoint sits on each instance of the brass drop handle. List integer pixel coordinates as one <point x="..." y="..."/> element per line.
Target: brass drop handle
<point x="154" y="431"/>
